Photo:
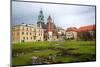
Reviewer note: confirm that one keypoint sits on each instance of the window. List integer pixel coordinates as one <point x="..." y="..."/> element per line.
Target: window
<point x="27" y="38"/>
<point x="27" y="29"/>
<point x="31" y="38"/>
<point x="23" y="38"/>
<point x="30" y="33"/>
<point x="22" y="33"/>
<point x="17" y="33"/>
<point x="26" y="33"/>
<point x="34" y="37"/>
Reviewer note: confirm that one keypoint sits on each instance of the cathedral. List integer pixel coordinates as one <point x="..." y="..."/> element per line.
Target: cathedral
<point x="50" y="32"/>
<point x="42" y="31"/>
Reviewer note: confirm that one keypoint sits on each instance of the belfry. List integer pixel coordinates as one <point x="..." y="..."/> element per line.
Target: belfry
<point x="40" y="21"/>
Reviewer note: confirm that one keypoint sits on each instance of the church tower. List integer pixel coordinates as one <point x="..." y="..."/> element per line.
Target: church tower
<point x="49" y="24"/>
<point x="40" y="21"/>
<point x="50" y="28"/>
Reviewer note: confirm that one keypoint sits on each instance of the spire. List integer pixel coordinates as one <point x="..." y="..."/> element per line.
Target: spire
<point x="49" y="19"/>
<point x="41" y="11"/>
<point x="41" y="16"/>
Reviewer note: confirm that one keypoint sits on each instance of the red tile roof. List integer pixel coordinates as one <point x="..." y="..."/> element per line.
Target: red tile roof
<point x="87" y="28"/>
<point x="72" y="29"/>
<point x="82" y="29"/>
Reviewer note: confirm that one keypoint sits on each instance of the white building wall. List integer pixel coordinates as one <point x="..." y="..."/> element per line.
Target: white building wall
<point x="71" y="34"/>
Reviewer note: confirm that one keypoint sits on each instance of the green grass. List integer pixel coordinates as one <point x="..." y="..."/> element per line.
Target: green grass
<point x="65" y="59"/>
<point x="30" y="44"/>
<point x="23" y="60"/>
<point x="79" y="50"/>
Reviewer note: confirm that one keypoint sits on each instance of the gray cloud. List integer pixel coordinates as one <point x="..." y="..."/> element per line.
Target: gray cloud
<point x="63" y="15"/>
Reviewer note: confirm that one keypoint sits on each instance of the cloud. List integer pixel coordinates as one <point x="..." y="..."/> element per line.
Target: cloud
<point x="63" y="15"/>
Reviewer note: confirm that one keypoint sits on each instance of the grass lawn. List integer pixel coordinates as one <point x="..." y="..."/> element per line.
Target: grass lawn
<point x="25" y="59"/>
<point x="74" y="50"/>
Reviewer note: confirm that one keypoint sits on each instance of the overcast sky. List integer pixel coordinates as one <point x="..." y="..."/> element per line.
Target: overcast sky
<point x="63" y="15"/>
